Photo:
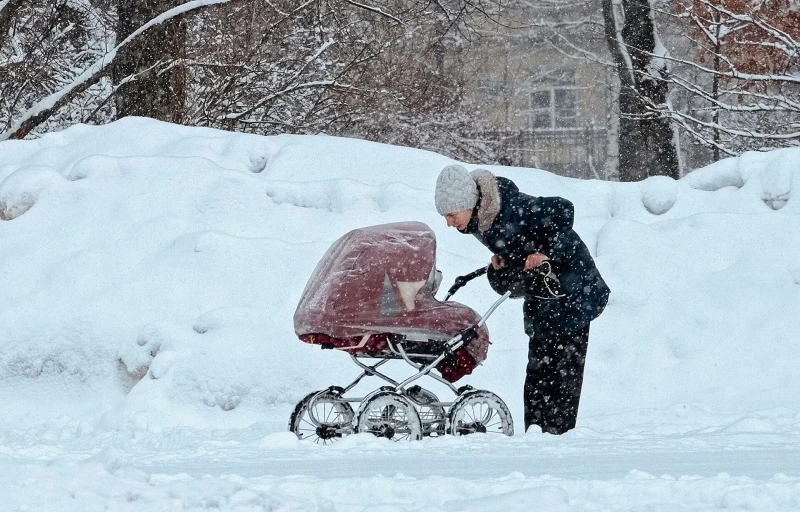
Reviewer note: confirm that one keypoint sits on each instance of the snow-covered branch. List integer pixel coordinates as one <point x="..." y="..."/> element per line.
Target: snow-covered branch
<point x="740" y="83"/>
<point x="741" y="132"/>
<point x="376" y="10"/>
<point x="90" y="75"/>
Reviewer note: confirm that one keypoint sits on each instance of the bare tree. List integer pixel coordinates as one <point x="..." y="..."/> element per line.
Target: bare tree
<point x="276" y="67"/>
<point x="49" y="101"/>
<point x="416" y="90"/>
<point x="747" y="58"/>
<point x="44" y="41"/>
<point x="158" y="89"/>
<point x="730" y="72"/>
<point x="647" y="143"/>
<point x="386" y="70"/>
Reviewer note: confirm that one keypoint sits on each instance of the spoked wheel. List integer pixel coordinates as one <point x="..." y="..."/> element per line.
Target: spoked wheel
<point x="479" y="411"/>
<point x="322" y="416"/>
<point x="389" y="414"/>
<point x="431" y="414"/>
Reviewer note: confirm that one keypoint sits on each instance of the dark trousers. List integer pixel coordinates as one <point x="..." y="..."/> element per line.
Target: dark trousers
<point x="553" y="381"/>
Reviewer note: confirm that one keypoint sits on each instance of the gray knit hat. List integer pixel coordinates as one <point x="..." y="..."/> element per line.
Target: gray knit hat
<point x="456" y="190"/>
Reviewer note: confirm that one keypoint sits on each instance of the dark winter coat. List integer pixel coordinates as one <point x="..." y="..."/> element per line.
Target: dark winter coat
<point x="513" y="225"/>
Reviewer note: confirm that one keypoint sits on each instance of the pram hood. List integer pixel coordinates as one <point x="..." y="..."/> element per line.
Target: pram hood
<point x="382" y="279"/>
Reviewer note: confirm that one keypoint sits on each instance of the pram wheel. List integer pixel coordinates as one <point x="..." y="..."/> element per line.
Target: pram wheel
<point x="389" y="414"/>
<point x="322" y="416"/>
<point x="431" y="413"/>
<point x="478" y="411"/>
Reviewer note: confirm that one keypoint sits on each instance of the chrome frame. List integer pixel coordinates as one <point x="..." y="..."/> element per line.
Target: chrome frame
<point x="397" y="349"/>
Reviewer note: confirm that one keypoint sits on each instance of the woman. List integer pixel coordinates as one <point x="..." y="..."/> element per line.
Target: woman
<point x="523" y="232"/>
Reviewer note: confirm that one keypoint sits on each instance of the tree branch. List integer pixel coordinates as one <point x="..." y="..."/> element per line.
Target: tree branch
<point x="42" y="110"/>
<point x="376" y="10"/>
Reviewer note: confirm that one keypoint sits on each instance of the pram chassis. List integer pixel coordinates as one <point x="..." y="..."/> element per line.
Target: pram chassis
<point x="397" y="411"/>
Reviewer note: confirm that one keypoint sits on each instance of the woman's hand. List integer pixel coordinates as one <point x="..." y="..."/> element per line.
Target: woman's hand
<point x="497" y="262"/>
<point x="532" y="261"/>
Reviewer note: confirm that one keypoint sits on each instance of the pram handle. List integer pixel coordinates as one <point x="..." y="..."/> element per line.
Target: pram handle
<point x="491" y="309"/>
<point x="462" y="280"/>
<point x="466" y="335"/>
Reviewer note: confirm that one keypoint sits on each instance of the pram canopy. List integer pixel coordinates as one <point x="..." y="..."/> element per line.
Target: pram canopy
<point x="382" y="280"/>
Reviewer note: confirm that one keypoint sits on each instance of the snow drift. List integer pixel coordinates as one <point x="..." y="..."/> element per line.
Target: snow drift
<point x="155" y="269"/>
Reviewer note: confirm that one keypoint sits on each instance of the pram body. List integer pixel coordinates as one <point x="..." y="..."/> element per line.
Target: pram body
<point x="373" y="296"/>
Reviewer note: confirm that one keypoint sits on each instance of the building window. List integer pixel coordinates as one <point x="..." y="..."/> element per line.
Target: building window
<point x="564" y="107"/>
<point x="541" y="111"/>
<point x="553" y="104"/>
<point x="553" y="108"/>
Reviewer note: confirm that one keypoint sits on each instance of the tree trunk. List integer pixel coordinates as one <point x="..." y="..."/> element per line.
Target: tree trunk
<point x="715" y="84"/>
<point x="646" y="140"/>
<point x="7" y="15"/>
<point x="158" y="87"/>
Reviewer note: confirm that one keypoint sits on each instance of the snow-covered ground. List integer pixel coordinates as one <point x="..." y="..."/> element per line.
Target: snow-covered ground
<point x="149" y="274"/>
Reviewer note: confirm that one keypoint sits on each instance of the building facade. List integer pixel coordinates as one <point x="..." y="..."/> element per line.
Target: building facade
<point x="545" y="109"/>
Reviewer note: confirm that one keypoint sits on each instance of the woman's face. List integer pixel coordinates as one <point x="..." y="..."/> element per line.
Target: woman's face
<point x="458" y="220"/>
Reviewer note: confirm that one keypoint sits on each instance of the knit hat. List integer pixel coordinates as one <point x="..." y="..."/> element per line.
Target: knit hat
<point x="455" y="190"/>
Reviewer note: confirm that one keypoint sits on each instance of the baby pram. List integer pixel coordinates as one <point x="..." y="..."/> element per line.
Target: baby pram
<point x="372" y="296"/>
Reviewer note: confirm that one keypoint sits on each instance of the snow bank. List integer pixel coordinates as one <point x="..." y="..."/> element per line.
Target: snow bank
<point x="153" y="270"/>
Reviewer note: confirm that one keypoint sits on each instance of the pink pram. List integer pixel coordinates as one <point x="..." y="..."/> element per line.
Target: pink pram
<point x="372" y="296"/>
